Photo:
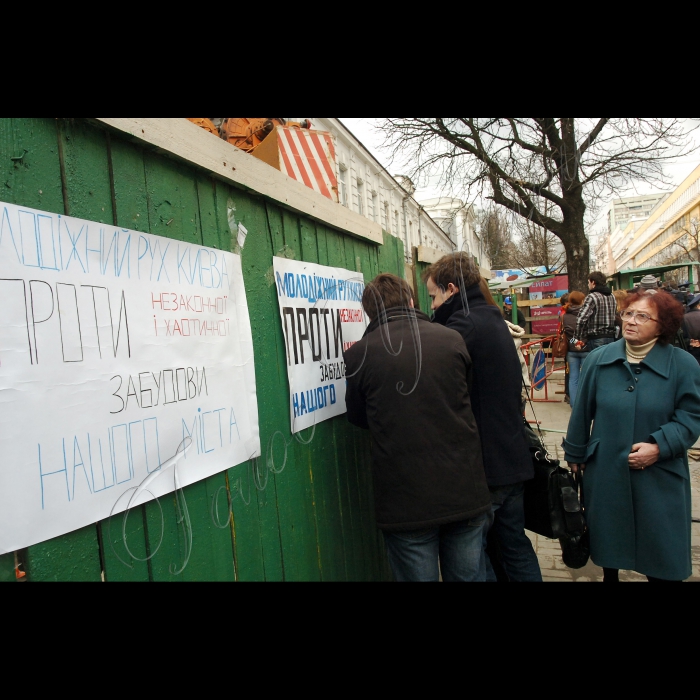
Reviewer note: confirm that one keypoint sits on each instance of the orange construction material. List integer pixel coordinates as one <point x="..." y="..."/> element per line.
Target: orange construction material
<point x="247" y="133"/>
<point x="205" y="124"/>
<point x="305" y="155"/>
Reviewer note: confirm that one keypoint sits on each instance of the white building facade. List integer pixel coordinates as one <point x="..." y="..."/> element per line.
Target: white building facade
<point x="367" y="188"/>
<point x="458" y="220"/>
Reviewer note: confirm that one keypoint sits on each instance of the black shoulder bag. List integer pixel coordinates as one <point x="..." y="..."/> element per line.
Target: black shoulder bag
<point x="551" y="502"/>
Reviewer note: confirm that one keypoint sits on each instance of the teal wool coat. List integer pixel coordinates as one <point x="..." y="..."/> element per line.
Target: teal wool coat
<point x="638" y="519"/>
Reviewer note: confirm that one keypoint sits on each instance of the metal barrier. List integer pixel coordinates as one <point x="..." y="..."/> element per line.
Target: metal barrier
<point x="538" y="371"/>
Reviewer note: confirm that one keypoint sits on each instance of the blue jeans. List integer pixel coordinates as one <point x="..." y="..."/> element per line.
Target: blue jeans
<point x="594" y="343"/>
<point x="517" y="557"/>
<point x="575" y="360"/>
<point x="413" y="555"/>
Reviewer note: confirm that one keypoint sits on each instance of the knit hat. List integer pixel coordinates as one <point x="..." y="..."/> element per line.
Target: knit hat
<point x="648" y="282"/>
<point x="508" y="301"/>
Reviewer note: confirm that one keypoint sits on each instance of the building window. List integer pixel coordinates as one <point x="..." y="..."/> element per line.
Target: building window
<point x="396" y="223"/>
<point x="360" y="197"/>
<point x="386" y="216"/>
<point x="410" y="233"/>
<point x="373" y="204"/>
<point x="342" y="182"/>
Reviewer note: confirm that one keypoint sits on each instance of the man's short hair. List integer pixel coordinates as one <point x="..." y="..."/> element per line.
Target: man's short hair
<point x="387" y="291"/>
<point x="458" y="268"/>
<point x="598" y="278"/>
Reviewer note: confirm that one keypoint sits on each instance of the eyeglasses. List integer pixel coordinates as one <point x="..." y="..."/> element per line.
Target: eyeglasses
<point x="640" y="316"/>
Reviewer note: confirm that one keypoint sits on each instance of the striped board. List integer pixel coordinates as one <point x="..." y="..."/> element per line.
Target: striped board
<point x="306" y="155"/>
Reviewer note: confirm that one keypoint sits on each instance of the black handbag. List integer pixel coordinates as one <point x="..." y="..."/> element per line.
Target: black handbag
<point x="568" y="521"/>
<point x="552" y="505"/>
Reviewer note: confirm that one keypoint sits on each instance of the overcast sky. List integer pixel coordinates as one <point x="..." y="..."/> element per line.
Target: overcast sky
<point x="365" y="131"/>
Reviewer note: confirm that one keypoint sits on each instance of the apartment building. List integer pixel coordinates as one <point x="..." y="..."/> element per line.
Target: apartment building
<point x="601" y="254"/>
<point x="655" y="242"/>
<point x="622" y="210"/>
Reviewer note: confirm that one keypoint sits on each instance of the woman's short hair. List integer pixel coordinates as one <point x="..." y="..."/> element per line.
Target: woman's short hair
<point x="458" y="268"/>
<point x="577" y="298"/>
<point x="385" y="290"/>
<point x="669" y="312"/>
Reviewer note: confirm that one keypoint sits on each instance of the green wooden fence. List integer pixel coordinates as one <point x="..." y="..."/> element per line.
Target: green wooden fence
<point x="312" y="520"/>
<point x="424" y="300"/>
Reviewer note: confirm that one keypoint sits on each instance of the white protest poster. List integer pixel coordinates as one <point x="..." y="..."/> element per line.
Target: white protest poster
<point x="117" y="349"/>
<point x="321" y="315"/>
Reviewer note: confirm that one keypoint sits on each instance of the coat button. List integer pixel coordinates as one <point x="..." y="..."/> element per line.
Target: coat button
<point x="630" y="388"/>
<point x="637" y="371"/>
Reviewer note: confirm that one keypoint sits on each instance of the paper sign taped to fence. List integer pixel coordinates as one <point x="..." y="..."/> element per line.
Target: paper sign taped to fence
<point x="118" y="351"/>
<point x="321" y="314"/>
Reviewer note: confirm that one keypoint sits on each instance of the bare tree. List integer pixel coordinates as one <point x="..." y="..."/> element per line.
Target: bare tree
<point x="521" y="164"/>
<point x="687" y="247"/>
<point x="537" y="246"/>
<point x="496" y="233"/>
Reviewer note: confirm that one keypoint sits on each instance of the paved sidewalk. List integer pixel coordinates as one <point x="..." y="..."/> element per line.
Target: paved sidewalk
<point x="555" y="416"/>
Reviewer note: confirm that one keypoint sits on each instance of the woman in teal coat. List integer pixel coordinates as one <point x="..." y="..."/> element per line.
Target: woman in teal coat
<point x="642" y="397"/>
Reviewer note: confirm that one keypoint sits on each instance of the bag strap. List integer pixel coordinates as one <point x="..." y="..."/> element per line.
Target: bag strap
<point x="537" y="423"/>
<point x="578" y="481"/>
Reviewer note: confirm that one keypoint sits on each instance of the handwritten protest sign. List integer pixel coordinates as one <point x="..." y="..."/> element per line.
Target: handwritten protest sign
<point x="116" y="348"/>
<point x="321" y="314"/>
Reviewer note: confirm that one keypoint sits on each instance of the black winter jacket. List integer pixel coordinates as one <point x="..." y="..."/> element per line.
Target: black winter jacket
<point x="691" y="328"/>
<point x="426" y="458"/>
<point x="569" y="322"/>
<point x="496" y="388"/>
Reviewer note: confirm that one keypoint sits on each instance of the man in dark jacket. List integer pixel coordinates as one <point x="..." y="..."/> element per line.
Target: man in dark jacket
<point x="408" y="382"/>
<point x="596" y="319"/>
<point x="453" y="284"/>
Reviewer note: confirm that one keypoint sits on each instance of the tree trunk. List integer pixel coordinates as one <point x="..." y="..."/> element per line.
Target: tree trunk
<point x="577" y="256"/>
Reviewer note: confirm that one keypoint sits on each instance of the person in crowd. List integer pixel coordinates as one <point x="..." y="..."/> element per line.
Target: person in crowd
<point x="458" y="303"/>
<point x="642" y="397"/>
<point x="408" y="382"/>
<point x="619" y="295"/>
<point x="575" y="356"/>
<point x="649" y="282"/>
<point x="680" y="295"/>
<point x="691" y="326"/>
<point x="493" y="549"/>
<point x="564" y="302"/>
<point x="596" y="319"/>
<point x="517" y="333"/>
<point x="508" y="312"/>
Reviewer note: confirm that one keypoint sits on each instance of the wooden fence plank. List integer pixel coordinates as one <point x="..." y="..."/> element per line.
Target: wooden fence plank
<point x="76" y="555"/>
<point x="297" y="508"/>
<point x="128" y="183"/>
<point x="538" y="302"/>
<point x="174" y="212"/>
<point x="30" y="175"/>
<point x="257" y="258"/>
<point x="323" y="474"/>
<point x="344" y="460"/>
